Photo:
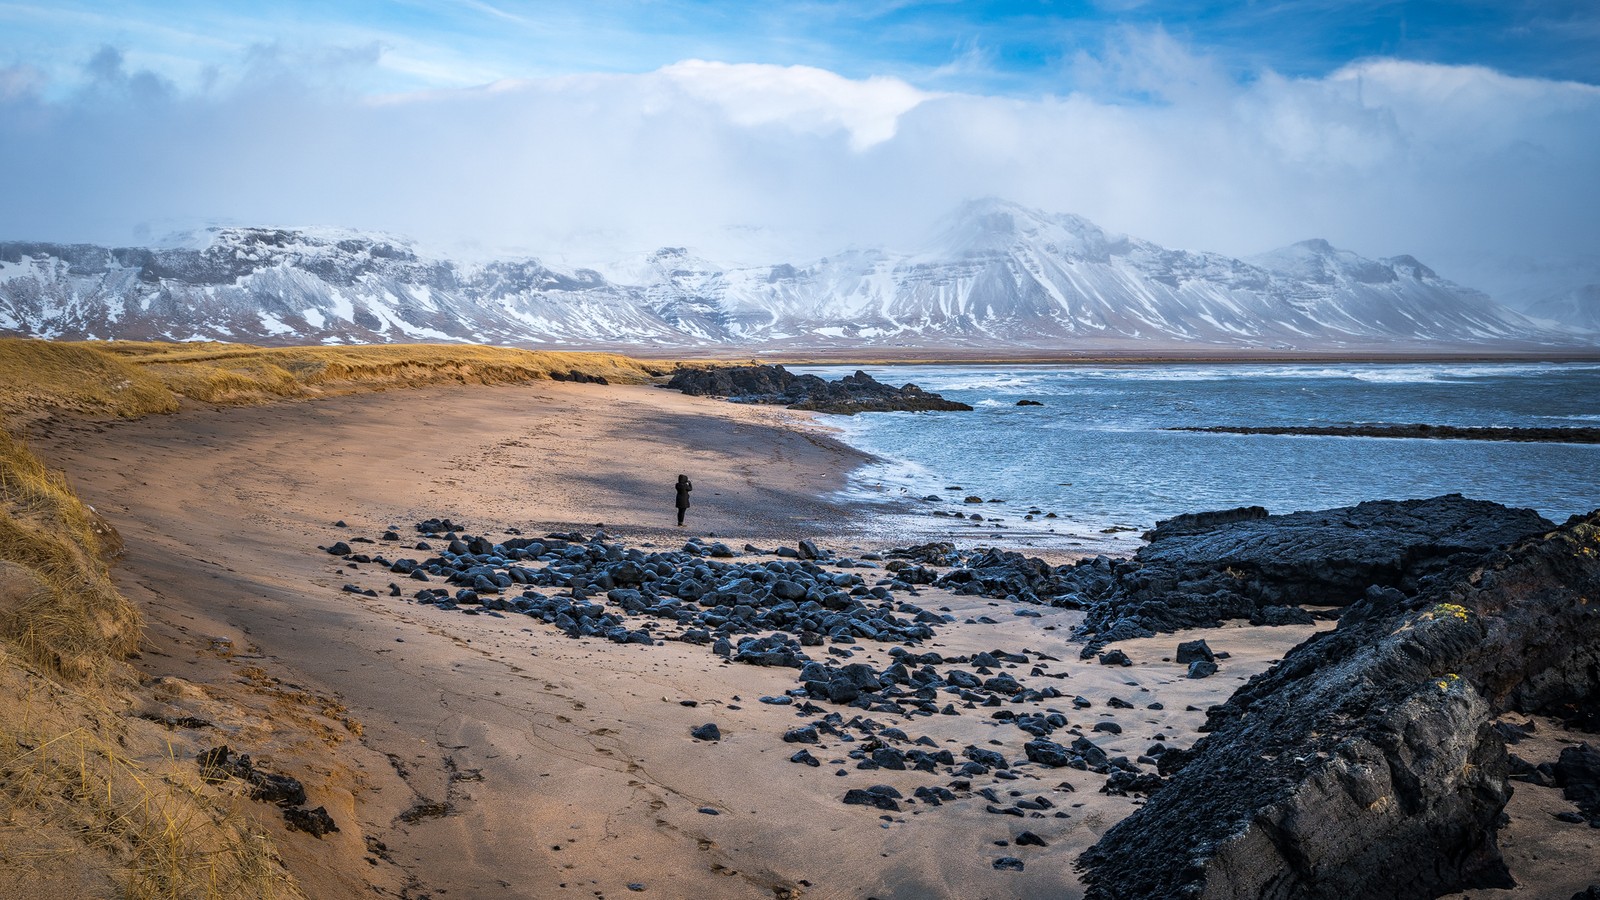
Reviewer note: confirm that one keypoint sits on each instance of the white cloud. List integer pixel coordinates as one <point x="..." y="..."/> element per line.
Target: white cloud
<point x="1461" y="166"/>
<point x="800" y="98"/>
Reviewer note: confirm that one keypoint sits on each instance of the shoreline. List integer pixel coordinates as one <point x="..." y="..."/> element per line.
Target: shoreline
<point x="976" y="357"/>
<point x="491" y="754"/>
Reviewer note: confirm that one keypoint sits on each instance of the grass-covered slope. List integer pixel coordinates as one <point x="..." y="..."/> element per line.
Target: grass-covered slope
<point x="89" y="803"/>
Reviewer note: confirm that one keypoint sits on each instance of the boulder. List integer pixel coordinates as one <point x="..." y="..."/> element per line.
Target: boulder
<point x="849" y="395"/>
<point x="315" y="822"/>
<point x="879" y="796"/>
<point x="1189" y="651"/>
<point x="1008" y="864"/>
<point x="1577" y="773"/>
<point x="1365" y="764"/>
<point x="1201" y="569"/>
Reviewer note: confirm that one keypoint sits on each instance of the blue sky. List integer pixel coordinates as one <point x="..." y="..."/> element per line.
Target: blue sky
<point x="1463" y="133"/>
<point x="985" y="46"/>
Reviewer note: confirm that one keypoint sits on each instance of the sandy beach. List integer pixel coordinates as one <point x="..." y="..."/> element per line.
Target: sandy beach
<point x="474" y="756"/>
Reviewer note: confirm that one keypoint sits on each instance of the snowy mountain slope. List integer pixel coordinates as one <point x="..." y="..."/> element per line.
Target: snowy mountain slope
<point x="995" y="274"/>
<point x="1578" y="308"/>
<point x="266" y="284"/>
<point x="1000" y="273"/>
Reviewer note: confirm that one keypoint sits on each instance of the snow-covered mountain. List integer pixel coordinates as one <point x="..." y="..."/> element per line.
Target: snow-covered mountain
<point x="995" y="275"/>
<point x="1578" y="308"/>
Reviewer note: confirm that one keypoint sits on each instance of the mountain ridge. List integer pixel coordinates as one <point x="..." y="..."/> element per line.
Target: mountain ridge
<point x="994" y="275"/>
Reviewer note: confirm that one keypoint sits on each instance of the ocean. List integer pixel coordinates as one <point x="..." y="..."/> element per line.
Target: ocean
<point x="1098" y="452"/>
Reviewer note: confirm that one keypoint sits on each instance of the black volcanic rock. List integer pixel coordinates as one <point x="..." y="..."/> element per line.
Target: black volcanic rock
<point x="1364" y="764"/>
<point x="1577" y="773"/>
<point x="991" y="572"/>
<point x="1202" y="522"/>
<point x="774" y="384"/>
<point x="1559" y="435"/>
<point x="315" y="822"/>
<point x="1200" y="569"/>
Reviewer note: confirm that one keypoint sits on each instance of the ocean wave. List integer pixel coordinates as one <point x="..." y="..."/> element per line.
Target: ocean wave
<point x="888" y="481"/>
<point x="1098" y="454"/>
<point x="1047" y="380"/>
<point x="991" y="403"/>
<point x="1006" y="382"/>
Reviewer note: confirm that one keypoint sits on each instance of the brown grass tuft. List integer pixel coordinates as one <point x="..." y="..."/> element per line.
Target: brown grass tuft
<point x="61" y="611"/>
<point x="74" y="788"/>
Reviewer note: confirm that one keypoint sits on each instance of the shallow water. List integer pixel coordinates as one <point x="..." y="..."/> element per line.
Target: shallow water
<point x="1098" y="453"/>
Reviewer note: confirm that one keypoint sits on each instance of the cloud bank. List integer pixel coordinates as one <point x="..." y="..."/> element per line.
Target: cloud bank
<point x="1492" y="179"/>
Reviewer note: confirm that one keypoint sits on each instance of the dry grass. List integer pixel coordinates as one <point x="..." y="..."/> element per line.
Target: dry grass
<point x="58" y="606"/>
<point x="72" y="794"/>
<point x="238" y="374"/>
<point x="68" y="771"/>
<point x="41" y="377"/>
<point x="130" y="379"/>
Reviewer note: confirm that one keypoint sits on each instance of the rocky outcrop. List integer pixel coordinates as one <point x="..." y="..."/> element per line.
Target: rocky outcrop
<point x="774" y="384"/>
<point x="1244" y="564"/>
<point x="1565" y="435"/>
<point x="1364" y="764"/>
<point x="1202" y="522"/>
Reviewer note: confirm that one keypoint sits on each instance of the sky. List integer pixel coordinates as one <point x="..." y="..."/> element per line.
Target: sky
<point x="1466" y="133"/>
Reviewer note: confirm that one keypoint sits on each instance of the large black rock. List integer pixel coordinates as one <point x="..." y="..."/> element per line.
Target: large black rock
<point x="1364" y="763"/>
<point x="1200" y="569"/>
<point x="774" y="384"/>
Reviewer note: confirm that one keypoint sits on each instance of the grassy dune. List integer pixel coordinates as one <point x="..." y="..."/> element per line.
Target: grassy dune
<point x="79" y="788"/>
<point x="129" y="379"/>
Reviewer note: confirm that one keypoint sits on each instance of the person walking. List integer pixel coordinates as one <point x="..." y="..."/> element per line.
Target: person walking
<point x="684" y="487"/>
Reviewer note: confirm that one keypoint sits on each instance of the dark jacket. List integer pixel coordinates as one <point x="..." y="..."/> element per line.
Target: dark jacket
<point x="684" y="487"/>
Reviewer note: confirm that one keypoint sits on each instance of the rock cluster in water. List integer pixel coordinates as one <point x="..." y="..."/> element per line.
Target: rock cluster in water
<point x="774" y="384"/>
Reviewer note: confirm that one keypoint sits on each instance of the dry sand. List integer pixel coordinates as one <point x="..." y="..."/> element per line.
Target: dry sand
<point x="469" y="756"/>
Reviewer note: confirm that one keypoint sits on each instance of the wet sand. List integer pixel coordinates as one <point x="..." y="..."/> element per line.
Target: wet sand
<point x="471" y="756"/>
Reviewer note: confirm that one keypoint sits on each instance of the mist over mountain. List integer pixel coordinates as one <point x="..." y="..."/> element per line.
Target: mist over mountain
<point x="994" y="275"/>
<point x="1578" y="308"/>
